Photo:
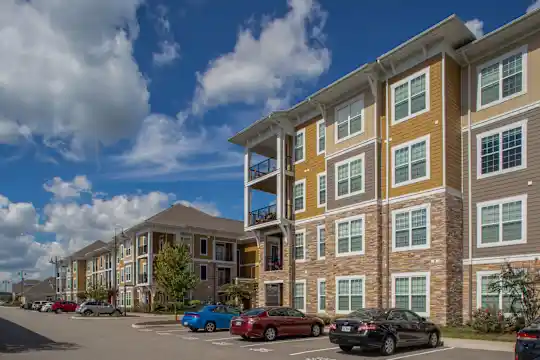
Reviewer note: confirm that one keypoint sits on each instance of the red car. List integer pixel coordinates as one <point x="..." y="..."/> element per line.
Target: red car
<point x="63" y="306"/>
<point x="270" y="322"/>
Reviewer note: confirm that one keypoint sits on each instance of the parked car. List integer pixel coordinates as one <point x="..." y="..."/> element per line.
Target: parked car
<point x="36" y="305"/>
<point x="528" y="342"/>
<point x="270" y="322"/>
<point x="210" y="318"/>
<point x="27" y="306"/>
<point x="89" y="308"/>
<point x="63" y="306"/>
<point x="46" y="307"/>
<point x="383" y="329"/>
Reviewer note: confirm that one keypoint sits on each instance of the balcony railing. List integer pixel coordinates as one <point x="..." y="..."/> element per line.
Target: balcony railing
<point x="263" y="215"/>
<point x="142" y="250"/>
<point x="143" y="279"/>
<point x="262" y="168"/>
<point x="223" y="280"/>
<point x="273" y="264"/>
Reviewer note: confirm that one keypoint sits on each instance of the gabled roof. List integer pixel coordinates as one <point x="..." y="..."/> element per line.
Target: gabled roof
<point x="88" y="249"/>
<point x="17" y="287"/>
<point x="45" y="287"/>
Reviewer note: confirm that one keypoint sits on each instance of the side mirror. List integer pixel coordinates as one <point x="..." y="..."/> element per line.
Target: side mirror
<point x="423" y="319"/>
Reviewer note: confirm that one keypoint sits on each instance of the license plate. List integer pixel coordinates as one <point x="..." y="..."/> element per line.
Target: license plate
<point x="346" y="328"/>
<point x="185" y="323"/>
<point x="238" y="323"/>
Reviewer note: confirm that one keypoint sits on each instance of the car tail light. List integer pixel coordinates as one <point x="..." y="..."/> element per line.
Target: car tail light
<point x="196" y="316"/>
<point x="526" y="336"/>
<point x="332" y="327"/>
<point x="253" y="320"/>
<point x="367" y="327"/>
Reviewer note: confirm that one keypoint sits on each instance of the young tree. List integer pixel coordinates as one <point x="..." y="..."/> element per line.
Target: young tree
<point x="237" y="292"/>
<point x="96" y="292"/>
<point x="173" y="271"/>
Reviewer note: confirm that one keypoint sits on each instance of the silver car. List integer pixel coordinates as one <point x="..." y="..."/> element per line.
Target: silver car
<point x="96" y="308"/>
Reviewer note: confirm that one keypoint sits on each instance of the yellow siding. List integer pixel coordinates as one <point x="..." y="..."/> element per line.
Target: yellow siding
<point x="453" y="129"/>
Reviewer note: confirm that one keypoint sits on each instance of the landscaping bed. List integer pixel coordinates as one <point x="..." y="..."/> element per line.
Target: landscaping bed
<point x="466" y="332"/>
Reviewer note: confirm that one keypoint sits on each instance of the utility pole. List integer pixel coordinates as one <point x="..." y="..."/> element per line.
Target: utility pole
<point x="55" y="262"/>
<point x="22" y="274"/>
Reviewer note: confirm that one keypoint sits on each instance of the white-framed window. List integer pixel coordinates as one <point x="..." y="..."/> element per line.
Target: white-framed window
<point x="300" y="146"/>
<point x="411" y="291"/>
<point x="203" y="248"/>
<point x="502" y="150"/>
<point x="300" y="196"/>
<point x="487" y="298"/>
<point x="321" y="189"/>
<point x="128" y="248"/>
<point x="321" y="242"/>
<point x="410" y="96"/>
<point x="502" y="78"/>
<point x="121" y="251"/>
<point x="411" y="228"/>
<point x="350" y="292"/>
<point x="321" y="137"/>
<point x="411" y="161"/>
<point x="128" y="299"/>
<point x="128" y="273"/>
<point x="349" y="176"/>
<point x="502" y="222"/>
<point x="349" y="119"/>
<point x="203" y="269"/>
<point x="321" y="295"/>
<point x="122" y="272"/>
<point x="300" y="244"/>
<point x="350" y="236"/>
<point x="300" y="295"/>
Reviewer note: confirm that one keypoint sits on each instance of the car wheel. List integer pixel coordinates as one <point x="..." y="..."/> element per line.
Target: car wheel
<point x="316" y="330"/>
<point x="389" y="346"/>
<point x="58" y="311"/>
<point x="270" y="334"/>
<point x="87" y="312"/>
<point x="433" y="341"/>
<point x="210" y="327"/>
<point x="192" y="329"/>
<point x="346" y="348"/>
<point x="245" y="337"/>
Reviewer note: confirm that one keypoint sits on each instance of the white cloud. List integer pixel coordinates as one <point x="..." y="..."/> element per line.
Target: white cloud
<point x="66" y="189"/>
<point x="476" y="26"/>
<point x="208" y="207"/>
<point x="288" y="51"/>
<point x="534" y="6"/>
<point x="169" y="51"/>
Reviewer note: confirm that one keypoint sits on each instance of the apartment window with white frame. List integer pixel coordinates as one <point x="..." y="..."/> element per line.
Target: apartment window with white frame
<point x="321" y="137"/>
<point x="122" y="272"/>
<point x="350" y="236"/>
<point x="411" y="291"/>
<point x="128" y="273"/>
<point x="203" y="246"/>
<point x="122" y="251"/>
<point x="349" y="293"/>
<point x="321" y="242"/>
<point x="489" y="298"/>
<point x="411" y="228"/>
<point x="411" y="161"/>
<point x="321" y="189"/>
<point x="321" y="295"/>
<point x="502" y="150"/>
<point x="128" y="299"/>
<point x="300" y="145"/>
<point x="299" y="295"/>
<point x="350" y="177"/>
<point x="128" y="248"/>
<point x="300" y="245"/>
<point x="300" y="196"/>
<point x="502" y="222"/>
<point x="502" y="78"/>
<point x="411" y="96"/>
<point x="203" y="272"/>
<point x="349" y="118"/>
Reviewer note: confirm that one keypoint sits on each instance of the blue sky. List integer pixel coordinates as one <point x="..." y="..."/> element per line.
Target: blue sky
<point x="110" y="111"/>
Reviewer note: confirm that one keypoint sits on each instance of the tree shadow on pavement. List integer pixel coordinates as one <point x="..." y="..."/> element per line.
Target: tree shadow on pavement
<point x="17" y="339"/>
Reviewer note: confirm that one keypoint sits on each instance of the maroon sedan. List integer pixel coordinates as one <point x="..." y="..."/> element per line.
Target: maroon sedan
<point x="63" y="306"/>
<point x="271" y="322"/>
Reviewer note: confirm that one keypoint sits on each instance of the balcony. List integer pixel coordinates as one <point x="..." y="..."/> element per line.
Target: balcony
<point x="142" y="279"/>
<point x="273" y="264"/>
<point x="142" y="250"/>
<point x="263" y="168"/>
<point x="263" y="215"/>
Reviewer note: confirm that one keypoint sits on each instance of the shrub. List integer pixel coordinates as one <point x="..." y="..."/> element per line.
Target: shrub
<point x="489" y="320"/>
<point x="194" y="302"/>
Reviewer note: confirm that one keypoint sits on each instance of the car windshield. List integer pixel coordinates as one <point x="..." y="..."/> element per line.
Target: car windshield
<point x="367" y="314"/>
<point x="253" y="312"/>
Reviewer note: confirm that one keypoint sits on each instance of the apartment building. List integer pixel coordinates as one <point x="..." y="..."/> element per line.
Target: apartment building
<point x="371" y="177"/>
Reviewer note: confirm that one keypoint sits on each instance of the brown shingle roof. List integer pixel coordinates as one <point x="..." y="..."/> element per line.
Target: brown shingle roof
<point x="93" y="246"/>
<point x="43" y="288"/>
<point x="17" y="287"/>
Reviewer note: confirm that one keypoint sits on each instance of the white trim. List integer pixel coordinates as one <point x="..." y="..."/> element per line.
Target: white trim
<point x="319" y="175"/>
<point x="304" y="245"/>
<point x="424" y="193"/>
<point x="350" y="277"/>
<point x="200" y="246"/>
<point x="359" y="98"/>
<point x="200" y="272"/>
<point x="319" y="228"/>
<point x="348" y="161"/>
<point x="503" y="116"/>
<point x="499" y="60"/>
<point x="501" y="259"/>
<point x="303" y="182"/>
<point x="409" y="275"/>
<point x="443" y="77"/>
<point x="426" y="72"/>
<point x="304" y="283"/>
<point x="319" y="281"/>
<point x="351" y="207"/>
<point x="356" y="146"/>
<point x="349" y="220"/>
<point x="523" y="125"/>
<point x="319" y="151"/>
<point x="409" y="210"/>
<point x="308" y="220"/>
<point x="268" y="282"/>
<point x="500" y="202"/>
<point x="303" y="132"/>
<point x="408" y="145"/>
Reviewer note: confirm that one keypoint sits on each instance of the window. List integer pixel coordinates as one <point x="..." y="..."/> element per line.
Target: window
<point x="122" y="251"/>
<point x="502" y="78"/>
<point x="411" y="228"/>
<point x="410" y="96"/>
<point x="128" y="249"/>
<point x="204" y="272"/>
<point x="204" y="246"/>
<point x="224" y="251"/>
<point x="350" y="236"/>
<point x="118" y="277"/>
<point x="350" y="177"/>
<point x="502" y="150"/>
<point x="487" y="298"/>
<point x="122" y="275"/>
<point x="300" y="245"/>
<point x="502" y="222"/>
<point x="321" y="242"/>
<point x="321" y="295"/>
<point x="321" y="189"/>
<point x="349" y="118"/>
<point x="321" y="137"/>
<point x="300" y="196"/>
<point x="75" y="266"/>
<point x="299" y="295"/>
<point x="350" y="293"/>
<point x="411" y="291"/>
<point x="299" y="146"/>
<point x="128" y="299"/>
<point x="128" y="273"/>
<point x="411" y="162"/>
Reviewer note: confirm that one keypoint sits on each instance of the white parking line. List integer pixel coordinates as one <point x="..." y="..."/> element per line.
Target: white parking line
<point x="227" y="338"/>
<point x="145" y="330"/>
<point x="282" y="342"/>
<point x="422" y="353"/>
<point x="163" y="333"/>
<point x="314" y="350"/>
<point x="170" y="331"/>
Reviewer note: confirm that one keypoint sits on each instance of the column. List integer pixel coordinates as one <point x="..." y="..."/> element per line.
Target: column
<point x="150" y="258"/>
<point x="247" y="189"/>
<point x="279" y="177"/>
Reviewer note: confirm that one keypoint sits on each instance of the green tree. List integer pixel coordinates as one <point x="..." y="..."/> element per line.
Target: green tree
<point x="173" y="271"/>
<point x="96" y="292"/>
<point x="237" y="292"/>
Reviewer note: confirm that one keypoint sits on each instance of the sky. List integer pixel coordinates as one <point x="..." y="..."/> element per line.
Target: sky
<point x="111" y="111"/>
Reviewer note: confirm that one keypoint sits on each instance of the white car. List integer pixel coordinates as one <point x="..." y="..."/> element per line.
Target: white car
<point x="36" y="305"/>
<point x="47" y="307"/>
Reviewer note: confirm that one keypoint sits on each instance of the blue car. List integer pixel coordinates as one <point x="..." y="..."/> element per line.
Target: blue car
<point x="210" y="318"/>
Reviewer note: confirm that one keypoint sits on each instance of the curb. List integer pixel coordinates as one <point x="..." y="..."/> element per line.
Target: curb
<point x="100" y="317"/>
<point x="146" y="326"/>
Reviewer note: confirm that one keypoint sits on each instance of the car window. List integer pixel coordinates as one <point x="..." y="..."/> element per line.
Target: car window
<point x="409" y="315"/>
<point x="396" y="315"/>
<point x="278" y="312"/>
<point x="232" y="310"/>
<point x="219" y="309"/>
<point x="294" y="313"/>
<point x="254" y="312"/>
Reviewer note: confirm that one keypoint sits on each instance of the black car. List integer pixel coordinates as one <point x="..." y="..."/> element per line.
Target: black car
<point x="384" y="329"/>
<point x="528" y="342"/>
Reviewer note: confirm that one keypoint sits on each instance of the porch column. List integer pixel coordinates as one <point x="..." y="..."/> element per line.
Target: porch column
<point x="247" y="189"/>
<point x="150" y="258"/>
<point x="280" y="175"/>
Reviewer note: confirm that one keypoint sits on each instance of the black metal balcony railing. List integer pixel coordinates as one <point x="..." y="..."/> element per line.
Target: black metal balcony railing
<point x="262" y="215"/>
<point x="143" y="279"/>
<point x="273" y="263"/>
<point x="262" y="168"/>
<point x="143" y="250"/>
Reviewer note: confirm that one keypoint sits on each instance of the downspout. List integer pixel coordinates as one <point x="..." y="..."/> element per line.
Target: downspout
<point x="469" y="182"/>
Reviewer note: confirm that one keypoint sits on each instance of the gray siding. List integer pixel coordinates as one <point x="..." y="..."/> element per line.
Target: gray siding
<point x="369" y="181"/>
<point x="505" y="185"/>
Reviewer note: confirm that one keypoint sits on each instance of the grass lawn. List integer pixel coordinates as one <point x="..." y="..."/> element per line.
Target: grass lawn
<point x="469" y="333"/>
